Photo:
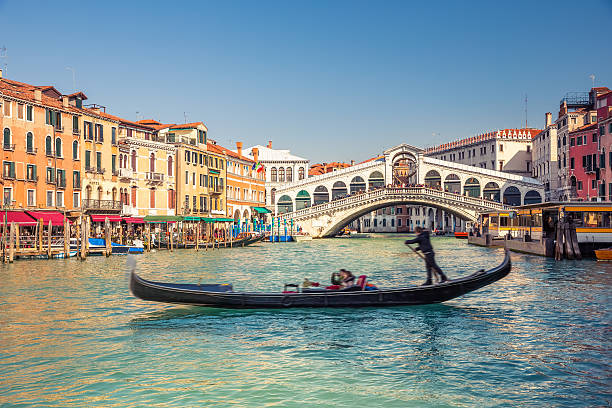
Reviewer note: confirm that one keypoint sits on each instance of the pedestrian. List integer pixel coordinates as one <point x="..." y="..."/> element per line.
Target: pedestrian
<point x="422" y="239"/>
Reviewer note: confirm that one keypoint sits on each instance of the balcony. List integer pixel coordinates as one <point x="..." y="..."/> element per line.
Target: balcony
<point x="59" y="129"/>
<point x="153" y="177"/>
<point x="95" y="170"/>
<point x="76" y="132"/>
<point x="61" y="184"/>
<point x="90" y="204"/>
<point x="126" y="173"/>
<point x="9" y="147"/>
<point x="216" y="190"/>
<point x="32" y="150"/>
<point x="32" y="179"/>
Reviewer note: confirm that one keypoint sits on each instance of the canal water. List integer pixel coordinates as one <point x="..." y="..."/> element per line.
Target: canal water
<point x="72" y="335"/>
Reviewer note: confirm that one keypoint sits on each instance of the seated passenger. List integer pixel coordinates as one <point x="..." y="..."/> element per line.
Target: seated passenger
<point x="348" y="279"/>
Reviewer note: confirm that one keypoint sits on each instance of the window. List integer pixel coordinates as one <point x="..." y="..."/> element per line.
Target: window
<point x="75" y="199"/>
<point x="59" y="198"/>
<point x="31" y="198"/>
<point x="594" y="137"/>
<point x="30" y="143"/>
<point x="170" y="166"/>
<point x="289" y="174"/>
<point x="50" y="175"/>
<point x="8" y="169"/>
<point x="30" y="113"/>
<point x="152" y="198"/>
<point x="61" y="178"/>
<point x="501" y="147"/>
<point x="187" y="202"/>
<point x="501" y="165"/>
<point x="31" y="172"/>
<point x="99" y="136"/>
<point x="58" y="147"/>
<point x="193" y="178"/>
<point x="7" y="139"/>
<point x="87" y="159"/>
<point x="8" y="195"/>
<point x="114" y="164"/>
<point x="579" y="185"/>
<point x="195" y="203"/>
<point x="594" y="184"/>
<point x="20" y="110"/>
<point x="75" y="124"/>
<point x="99" y="161"/>
<point x="572" y="163"/>
<point x="187" y="156"/>
<point x="281" y="174"/>
<point x="171" y="198"/>
<point x="49" y="198"/>
<point x="273" y="174"/>
<point x="572" y="141"/>
<point x="76" y="179"/>
<point x="114" y="135"/>
<point x="133" y="160"/>
<point x="152" y="163"/>
<point x="49" y="146"/>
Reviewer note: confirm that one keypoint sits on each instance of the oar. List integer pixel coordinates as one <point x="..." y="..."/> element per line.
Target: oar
<point x="416" y="252"/>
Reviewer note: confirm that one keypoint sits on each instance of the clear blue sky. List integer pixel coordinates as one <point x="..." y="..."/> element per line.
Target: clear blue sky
<point x="330" y="80"/>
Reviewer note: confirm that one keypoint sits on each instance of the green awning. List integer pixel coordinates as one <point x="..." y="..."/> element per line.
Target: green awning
<point x="219" y="219"/>
<point x="163" y="218"/>
<point x="193" y="218"/>
<point x="261" y="210"/>
<point x="211" y="171"/>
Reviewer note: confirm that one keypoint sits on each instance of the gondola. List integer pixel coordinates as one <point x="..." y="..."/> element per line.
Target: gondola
<point x="222" y="295"/>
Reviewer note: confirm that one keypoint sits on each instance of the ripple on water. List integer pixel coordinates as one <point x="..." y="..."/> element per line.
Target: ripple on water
<point x="72" y="335"/>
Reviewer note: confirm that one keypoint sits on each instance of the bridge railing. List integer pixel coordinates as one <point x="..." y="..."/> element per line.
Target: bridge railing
<point x="397" y="191"/>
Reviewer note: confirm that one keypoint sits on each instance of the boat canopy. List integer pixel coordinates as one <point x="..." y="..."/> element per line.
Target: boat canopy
<point x="162" y="218"/>
<point x="134" y="220"/>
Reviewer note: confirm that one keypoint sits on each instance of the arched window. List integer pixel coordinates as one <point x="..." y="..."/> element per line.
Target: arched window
<point x="30" y="142"/>
<point x="281" y="174"/>
<point x="289" y="174"/>
<point x="58" y="147"/>
<point x="48" y="146"/>
<point x="152" y="166"/>
<point x="273" y="174"/>
<point x="120" y="161"/>
<point x="75" y="151"/>
<point x="133" y="160"/>
<point x="170" y="168"/>
<point x="301" y="173"/>
<point x="7" y="138"/>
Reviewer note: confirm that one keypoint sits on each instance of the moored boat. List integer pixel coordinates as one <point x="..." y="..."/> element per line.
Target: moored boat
<point x="604" y="254"/>
<point x="461" y="235"/>
<point x="215" y="295"/>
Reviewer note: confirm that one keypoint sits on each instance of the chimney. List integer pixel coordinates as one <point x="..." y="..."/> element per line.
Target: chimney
<point x="37" y="95"/>
<point x="548" y="119"/>
<point x="255" y="154"/>
<point x="269" y="144"/>
<point x="563" y="109"/>
<point x="0" y="74"/>
<point x="239" y="148"/>
<point x="352" y="162"/>
<point x="64" y="101"/>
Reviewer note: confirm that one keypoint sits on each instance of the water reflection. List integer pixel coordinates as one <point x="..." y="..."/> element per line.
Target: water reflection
<point x="73" y="335"/>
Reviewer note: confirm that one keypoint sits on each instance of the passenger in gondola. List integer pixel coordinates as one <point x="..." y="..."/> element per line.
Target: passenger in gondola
<point x="422" y="239"/>
<point x="348" y="279"/>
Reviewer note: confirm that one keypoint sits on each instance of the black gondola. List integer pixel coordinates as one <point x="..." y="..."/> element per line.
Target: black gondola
<point x="224" y="296"/>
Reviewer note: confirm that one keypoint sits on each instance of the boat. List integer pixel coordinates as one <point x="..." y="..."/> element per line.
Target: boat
<point x="302" y="238"/>
<point x="223" y="296"/>
<point x="461" y="235"/>
<point x="119" y="249"/>
<point x="604" y="254"/>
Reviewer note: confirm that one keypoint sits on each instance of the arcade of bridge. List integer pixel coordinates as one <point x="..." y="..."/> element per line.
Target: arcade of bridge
<point x="447" y="176"/>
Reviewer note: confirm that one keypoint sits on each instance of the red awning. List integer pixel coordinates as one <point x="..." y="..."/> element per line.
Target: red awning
<point x="18" y="217"/>
<point x="133" y="220"/>
<point x="103" y="217"/>
<point x="56" y="218"/>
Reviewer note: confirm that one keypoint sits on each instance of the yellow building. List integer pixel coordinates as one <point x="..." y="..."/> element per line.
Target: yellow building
<point x="189" y="140"/>
<point x="217" y="177"/>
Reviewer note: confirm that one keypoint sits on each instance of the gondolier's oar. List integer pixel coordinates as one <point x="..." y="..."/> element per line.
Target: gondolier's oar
<point x="416" y="252"/>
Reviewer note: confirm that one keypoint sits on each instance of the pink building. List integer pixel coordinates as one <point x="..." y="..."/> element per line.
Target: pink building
<point x="584" y="162"/>
<point x="603" y="105"/>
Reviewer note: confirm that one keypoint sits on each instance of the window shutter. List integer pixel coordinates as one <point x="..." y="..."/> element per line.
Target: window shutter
<point x="12" y="169"/>
<point x="34" y="172"/>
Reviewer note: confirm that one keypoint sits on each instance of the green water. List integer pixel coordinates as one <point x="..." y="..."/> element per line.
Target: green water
<point x="72" y="335"/>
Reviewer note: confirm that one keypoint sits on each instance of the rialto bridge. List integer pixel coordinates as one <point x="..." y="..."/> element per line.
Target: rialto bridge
<point x="324" y="204"/>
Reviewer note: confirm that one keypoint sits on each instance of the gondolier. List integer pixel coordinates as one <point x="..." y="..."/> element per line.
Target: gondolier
<point x="422" y="239"/>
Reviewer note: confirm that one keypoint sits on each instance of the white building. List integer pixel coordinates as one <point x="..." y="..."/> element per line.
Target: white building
<point x="281" y="167"/>
<point x="546" y="159"/>
<point x="507" y="150"/>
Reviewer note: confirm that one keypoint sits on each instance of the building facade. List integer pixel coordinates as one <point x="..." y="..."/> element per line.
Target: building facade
<point x="246" y="187"/>
<point x="604" y="125"/>
<point x="217" y="180"/>
<point x="584" y="160"/>
<point x="545" y="159"/>
<point x="507" y="150"/>
<point x="280" y="166"/>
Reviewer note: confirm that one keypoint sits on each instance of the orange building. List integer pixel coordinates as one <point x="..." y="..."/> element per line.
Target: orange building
<point x="41" y="130"/>
<point x="322" y="168"/>
<point x="246" y="189"/>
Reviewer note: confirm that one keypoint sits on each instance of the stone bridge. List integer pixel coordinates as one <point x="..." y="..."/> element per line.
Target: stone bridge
<point x="458" y="189"/>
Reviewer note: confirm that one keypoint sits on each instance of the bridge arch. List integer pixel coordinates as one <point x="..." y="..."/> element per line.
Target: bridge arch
<point x="357" y="184"/>
<point x="532" y="197"/>
<point x="339" y="190"/>
<point x="302" y="200"/>
<point x="471" y="187"/>
<point x="285" y="204"/>
<point x="433" y="179"/>
<point x="452" y="183"/>
<point x="376" y="180"/>
<point x="512" y="196"/>
<point x="491" y="191"/>
<point x="320" y="195"/>
<point x="339" y="223"/>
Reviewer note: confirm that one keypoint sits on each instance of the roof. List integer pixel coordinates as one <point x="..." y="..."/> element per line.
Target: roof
<point x="322" y="168"/>
<point x="267" y="154"/>
<point x="372" y="159"/>
<point x="77" y="95"/>
<point x="582" y="128"/>
<point x="125" y="121"/>
<point x="229" y="152"/>
<point x="519" y="134"/>
<point x="192" y="125"/>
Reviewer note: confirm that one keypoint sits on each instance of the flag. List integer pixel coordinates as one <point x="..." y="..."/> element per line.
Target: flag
<point x="260" y="167"/>
<point x="254" y="165"/>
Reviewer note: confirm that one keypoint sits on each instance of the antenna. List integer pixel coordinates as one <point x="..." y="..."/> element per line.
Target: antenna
<point x="137" y="113"/>
<point x="4" y="54"/>
<point x="73" y="78"/>
<point x="525" y="111"/>
<point x="185" y="116"/>
<point x="592" y="76"/>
